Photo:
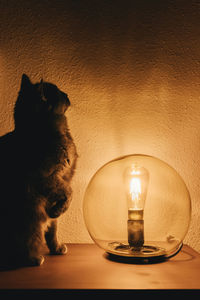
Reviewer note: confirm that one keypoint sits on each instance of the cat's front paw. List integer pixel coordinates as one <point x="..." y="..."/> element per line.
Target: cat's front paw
<point x="59" y="250"/>
<point x="62" y="249"/>
<point x="36" y="260"/>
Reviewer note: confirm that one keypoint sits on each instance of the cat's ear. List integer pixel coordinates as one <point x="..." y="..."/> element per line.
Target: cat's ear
<point x="41" y="90"/>
<point x="25" y="83"/>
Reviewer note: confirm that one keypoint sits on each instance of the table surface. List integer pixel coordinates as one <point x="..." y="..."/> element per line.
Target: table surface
<point x="86" y="266"/>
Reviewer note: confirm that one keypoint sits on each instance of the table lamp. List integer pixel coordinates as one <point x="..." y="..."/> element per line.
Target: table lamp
<point x="137" y="206"/>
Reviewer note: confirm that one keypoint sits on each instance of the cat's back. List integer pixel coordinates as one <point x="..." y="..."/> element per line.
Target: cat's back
<point x="6" y="167"/>
<point x="6" y="139"/>
<point x="7" y="148"/>
<point x="9" y="167"/>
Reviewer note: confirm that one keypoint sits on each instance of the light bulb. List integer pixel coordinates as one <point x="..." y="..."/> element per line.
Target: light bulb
<point x="136" y="181"/>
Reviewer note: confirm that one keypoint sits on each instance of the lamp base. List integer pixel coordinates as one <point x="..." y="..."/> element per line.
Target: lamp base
<point x="146" y="251"/>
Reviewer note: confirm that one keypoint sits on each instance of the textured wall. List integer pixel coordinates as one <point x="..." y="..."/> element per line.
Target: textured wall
<point x="131" y="70"/>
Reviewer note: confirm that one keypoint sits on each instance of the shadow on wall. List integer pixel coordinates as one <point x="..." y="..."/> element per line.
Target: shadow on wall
<point x="114" y="42"/>
<point x="129" y="67"/>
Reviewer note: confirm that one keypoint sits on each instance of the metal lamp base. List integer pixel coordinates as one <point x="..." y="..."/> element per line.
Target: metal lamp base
<point x="146" y="251"/>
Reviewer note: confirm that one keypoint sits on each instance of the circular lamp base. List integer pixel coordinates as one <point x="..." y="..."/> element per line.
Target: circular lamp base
<point x="146" y="251"/>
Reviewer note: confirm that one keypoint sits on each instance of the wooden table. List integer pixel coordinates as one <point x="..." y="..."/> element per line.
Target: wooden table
<point x="87" y="267"/>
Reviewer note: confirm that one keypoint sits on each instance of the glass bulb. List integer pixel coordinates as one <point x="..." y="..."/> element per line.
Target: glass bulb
<point x="115" y="197"/>
<point x="136" y="181"/>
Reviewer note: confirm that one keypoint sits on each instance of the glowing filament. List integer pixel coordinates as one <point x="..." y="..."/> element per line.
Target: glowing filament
<point x="135" y="191"/>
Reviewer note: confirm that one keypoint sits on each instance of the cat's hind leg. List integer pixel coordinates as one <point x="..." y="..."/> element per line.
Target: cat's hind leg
<point x="51" y="239"/>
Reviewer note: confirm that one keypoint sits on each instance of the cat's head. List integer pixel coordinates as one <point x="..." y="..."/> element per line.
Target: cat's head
<point x="39" y="99"/>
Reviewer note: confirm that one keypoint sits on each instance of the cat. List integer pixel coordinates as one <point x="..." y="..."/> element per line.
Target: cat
<point x="37" y="163"/>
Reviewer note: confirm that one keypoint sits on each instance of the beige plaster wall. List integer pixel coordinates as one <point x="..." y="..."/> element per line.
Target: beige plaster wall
<point x="131" y="70"/>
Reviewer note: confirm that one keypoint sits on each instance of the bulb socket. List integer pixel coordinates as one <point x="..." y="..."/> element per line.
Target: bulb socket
<point x="135" y="234"/>
<point x="135" y="214"/>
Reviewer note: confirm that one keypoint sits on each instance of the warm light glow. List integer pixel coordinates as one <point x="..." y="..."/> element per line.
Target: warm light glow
<point x="136" y="181"/>
<point x="135" y="191"/>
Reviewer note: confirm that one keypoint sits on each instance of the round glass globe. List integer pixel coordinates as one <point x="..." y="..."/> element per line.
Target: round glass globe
<point x="165" y="215"/>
